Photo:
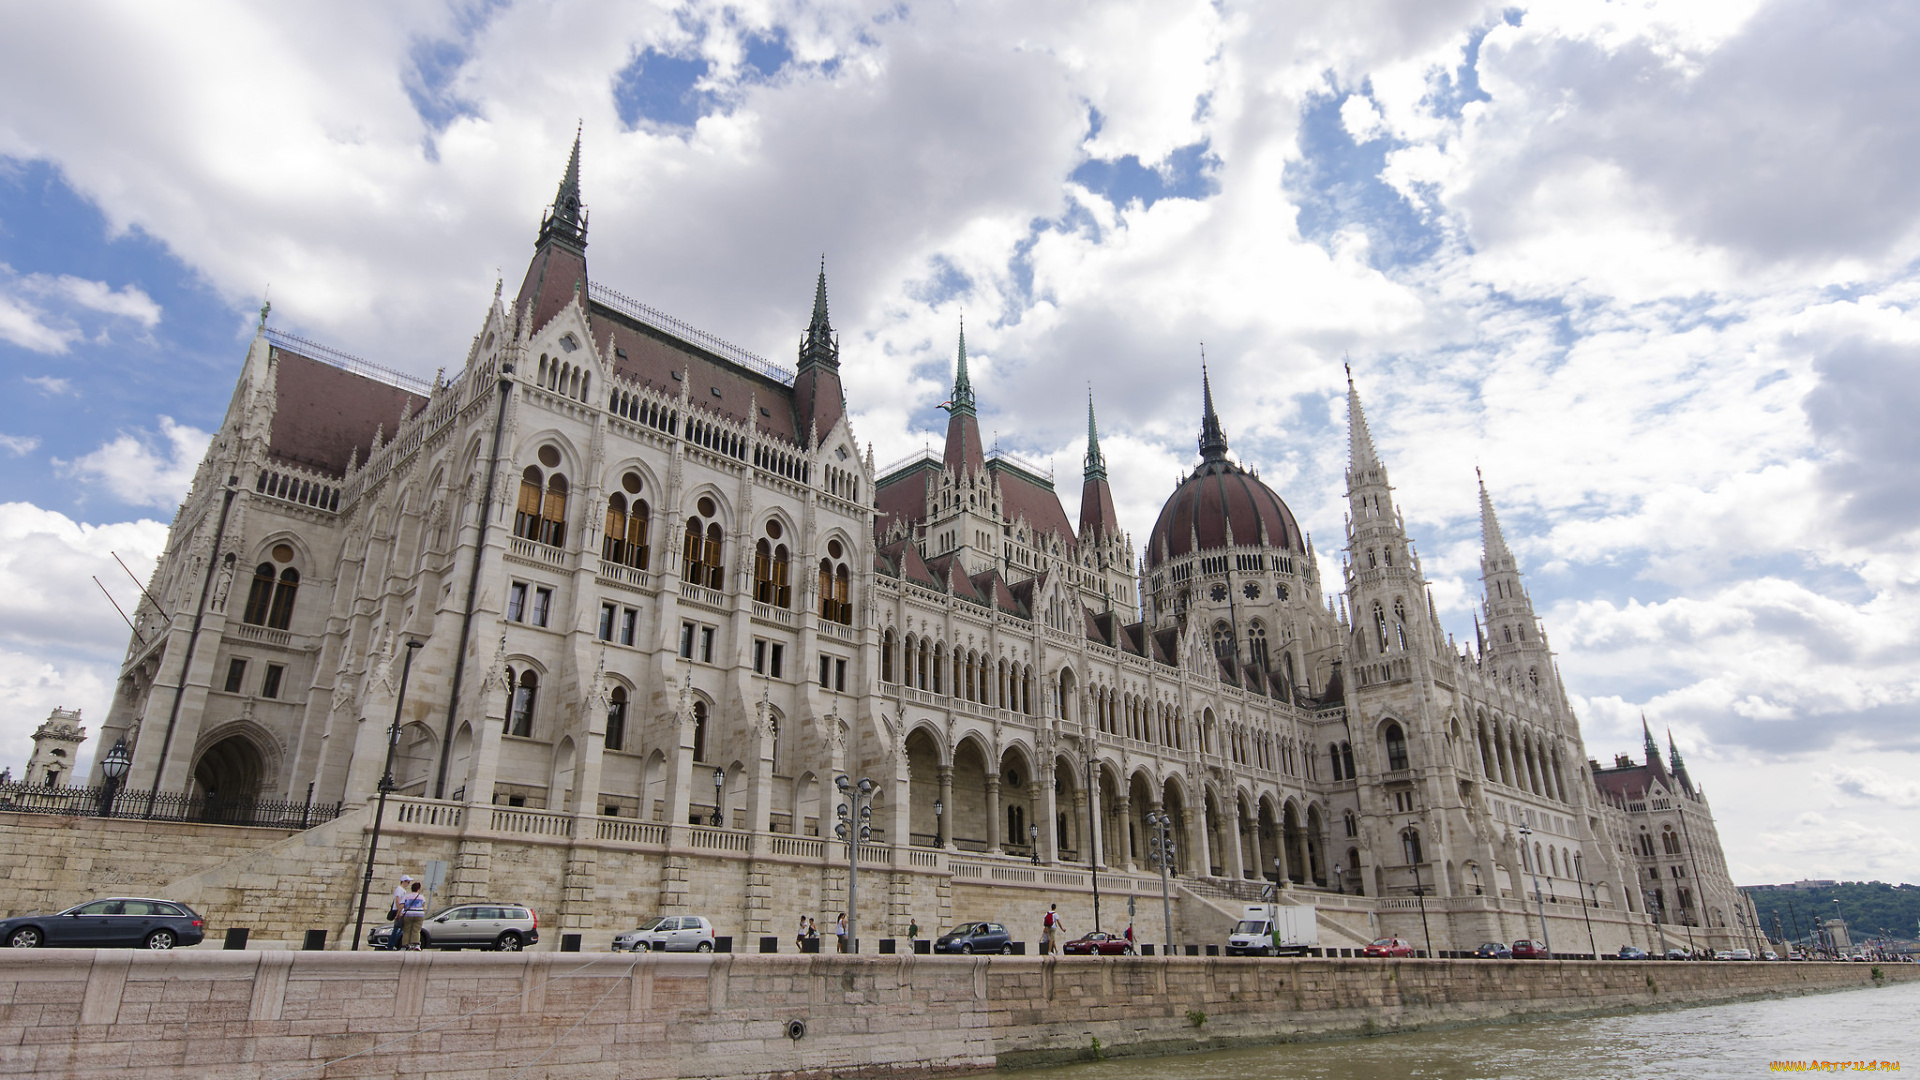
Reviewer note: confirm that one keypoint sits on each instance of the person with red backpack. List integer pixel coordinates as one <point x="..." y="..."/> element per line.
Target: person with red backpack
<point x="1049" y="929"/>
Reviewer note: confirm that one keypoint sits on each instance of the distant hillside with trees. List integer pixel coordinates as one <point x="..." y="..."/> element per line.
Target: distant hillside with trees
<point x="1870" y="908"/>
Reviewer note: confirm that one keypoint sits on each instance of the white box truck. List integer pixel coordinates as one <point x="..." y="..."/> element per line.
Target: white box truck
<point x="1275" y="930"/>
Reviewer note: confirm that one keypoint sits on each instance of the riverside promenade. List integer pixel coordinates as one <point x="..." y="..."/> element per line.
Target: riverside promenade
<point x="278" y="1014"/>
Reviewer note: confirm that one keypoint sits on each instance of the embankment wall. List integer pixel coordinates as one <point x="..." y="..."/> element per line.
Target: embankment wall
<point x="234" y="1015"/>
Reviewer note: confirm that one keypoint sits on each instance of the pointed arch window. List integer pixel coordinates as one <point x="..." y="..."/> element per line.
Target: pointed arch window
<point x="1380" y="626"/>
<point x="1400" y="623"/>
<point x="617" y="720"/>
<point x="260" y="595"/>
<point x="1410" y="846"/>
<point x="705" y="542"/>
<point x="541" y="515"/>
<point x="1346" y="759"/>
<point x="1257" y="644"/>
<point x="886" y="657"/>
<point x="628" y="523"/>
<point x="1333" y="758"/>
<point x="281" y="613"/>
<point x="699" y="730"/>
<point x="1223" y="643"/>
<point x="836" y="586"/>
<point x="1396" y="741"/>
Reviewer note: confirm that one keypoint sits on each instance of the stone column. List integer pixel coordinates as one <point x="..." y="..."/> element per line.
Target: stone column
<point x="944" y="823"/>
<point x="1237" y="865"/>
<point x="1127" y="859"/>
<point x="1096" y="827"/>
<point x="484" y="766"/>
<point x="1046" y="811"/>
<point x="680" y="778"/>
<point x="993" y="815"/>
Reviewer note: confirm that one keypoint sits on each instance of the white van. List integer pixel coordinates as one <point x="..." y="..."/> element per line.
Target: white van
<point x="1299" y="927"/>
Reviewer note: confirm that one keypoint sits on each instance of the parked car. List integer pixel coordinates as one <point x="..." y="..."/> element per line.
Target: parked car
<point x="1678" y="954"/>
<point x="1493" y="950"/>
<point x="1525" y="949"/>
<point x="1390" y="946"/>
<point x="484" y="924"/>
<point x="668" y="933"/>
<point x="1631" y="952"/>
<point x="1098" y="942"/>
<point x="124" y="922"/>
<point x="1740" y="954"/>
<point x="1723" y="954"/>
<point x="978" y="937"/>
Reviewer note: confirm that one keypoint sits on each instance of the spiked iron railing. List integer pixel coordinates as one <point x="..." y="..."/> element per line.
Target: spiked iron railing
<point x="165" y="806"/>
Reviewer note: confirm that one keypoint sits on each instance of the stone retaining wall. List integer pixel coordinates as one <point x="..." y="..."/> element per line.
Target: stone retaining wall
<point x="233" y="1015"/>
<point x="48" y="861"/>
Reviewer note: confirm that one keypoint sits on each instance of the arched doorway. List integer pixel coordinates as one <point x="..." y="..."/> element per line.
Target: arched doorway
<point x="229" y="777"/>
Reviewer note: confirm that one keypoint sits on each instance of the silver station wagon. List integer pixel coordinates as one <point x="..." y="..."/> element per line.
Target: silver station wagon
<point x="481" y="925"/>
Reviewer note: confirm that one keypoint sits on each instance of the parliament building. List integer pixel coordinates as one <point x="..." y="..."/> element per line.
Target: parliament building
<point x="663" y="598"/>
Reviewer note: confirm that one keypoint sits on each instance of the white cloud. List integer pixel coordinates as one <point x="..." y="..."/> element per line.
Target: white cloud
<point x="50" y="384"/>
<point x="1876" y="785"/>
<point x="1362" y="121"/>
<point x="19" y="445"/>
<point x="60" y="640"/>
<point x="38" y="311"/>
<point x="142" y="470"/>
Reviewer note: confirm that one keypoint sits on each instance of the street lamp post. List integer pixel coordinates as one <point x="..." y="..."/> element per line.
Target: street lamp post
<point x="1340" y="879"/>
<point x="1580" y="875"/>
<point x="719" y="793"/>
<point x="1033" y="841"/>
<point x="114" y="767"/>
<point x="1160" y="852"/>
<point x="1093" y="847"/>
<point x="1534" y="871"/>
<point x="857" y="808"/>
<point x="939" y="838"/>
<point x="386" y="785"/>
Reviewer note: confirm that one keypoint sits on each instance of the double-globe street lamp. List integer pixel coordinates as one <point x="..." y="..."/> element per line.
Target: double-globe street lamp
<point x="1160" y="853"/>
<point x="857" y="808"/>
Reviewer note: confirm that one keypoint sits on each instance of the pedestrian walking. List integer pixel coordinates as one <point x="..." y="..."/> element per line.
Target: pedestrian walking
<point x="913" y="932"/>
<point x="400" y="892"/>
<point x="1049" y="927"/>
<point x="1129" y="937"/>
<point x="413" y="911"/>
<point x="840" y="931"/>
<point x="800" y="935"/>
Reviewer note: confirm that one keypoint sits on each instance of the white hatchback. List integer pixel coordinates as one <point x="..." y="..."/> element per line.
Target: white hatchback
<point x="668" y="933"/>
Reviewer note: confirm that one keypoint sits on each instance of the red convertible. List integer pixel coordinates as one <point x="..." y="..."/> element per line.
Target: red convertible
<point x="1097" y="942"/>
<point x="1390" y="946"/>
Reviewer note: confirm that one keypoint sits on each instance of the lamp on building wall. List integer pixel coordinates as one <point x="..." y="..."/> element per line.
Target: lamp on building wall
<point x="939" y="838"/>
<point x="114" y="767"/>
<point x="1476" y="880"/>
<point x="1340" y="878"/>
<point x="1033" y="841"/>
<point x="719" y="789"/>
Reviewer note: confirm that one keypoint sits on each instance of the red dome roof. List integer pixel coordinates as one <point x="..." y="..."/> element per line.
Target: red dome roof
<point x="1218" y="496"/>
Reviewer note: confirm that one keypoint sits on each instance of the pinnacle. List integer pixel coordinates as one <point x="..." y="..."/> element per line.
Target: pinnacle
<point x="1096" y="464"/>
<point x="566" y="219"/>
<point x="1492" y="542"/>
<point x="1360" y="452"/>
<point x="962" y="400"/>
<point x="1213" y="441"/>
<point x="820" y="299"/>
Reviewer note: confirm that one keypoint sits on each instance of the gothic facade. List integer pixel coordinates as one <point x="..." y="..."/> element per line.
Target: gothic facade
<point x="657" y="581"/>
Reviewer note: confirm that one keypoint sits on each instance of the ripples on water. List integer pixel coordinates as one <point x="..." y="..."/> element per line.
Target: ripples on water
<point x="1715" y="1041"/>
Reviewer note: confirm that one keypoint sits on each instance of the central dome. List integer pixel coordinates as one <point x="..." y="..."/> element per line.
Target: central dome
<point x="1219" y="500"/>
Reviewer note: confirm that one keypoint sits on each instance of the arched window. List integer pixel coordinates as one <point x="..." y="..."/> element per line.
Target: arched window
<point x="699" y="730"/>
<point x="1380" y="626"/>
<point x="260" y="596"/>
<point x="283" y="593"/>
<point x="763" y="572"/>
<point x="1410" y="846"/>
<point x="1396" y="748"/>
<point x="1257" y="644"/>
<point x="542" y="512"/>
<point x="628" y="523"/>
<point x="836" y="604"/>
<point x="1346" y="759"/>
<point x="886" y="657"/>
<point x="770" y="569"/>
<point x="1353" y="829"/>
<point x="520" y="709"/>
<point x="705" y="542"/>
<point x="1223" y="643"/>
<point x="1400" y="623"/>
<point x="617" y="720"/>
<point x="1333" y="756"/>
<point x="526" y="517"/>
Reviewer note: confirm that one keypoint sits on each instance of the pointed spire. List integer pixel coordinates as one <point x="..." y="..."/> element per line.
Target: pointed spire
<point x="962" y="400"/>
<point x="820" y="346"/>
<point x="1653" y="748"/>
<point x="1673" y="755"/>
<point x="1096" y="465"/>
<point x="1213" y="441"/>
<point x="1360" y="453"/>
<point x="566" y="219"/>
<point x="1492" y="543"/>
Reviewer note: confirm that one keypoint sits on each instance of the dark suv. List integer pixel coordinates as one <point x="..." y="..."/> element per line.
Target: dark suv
<point x="977" y="937"/>
<point x="481" y="925"/>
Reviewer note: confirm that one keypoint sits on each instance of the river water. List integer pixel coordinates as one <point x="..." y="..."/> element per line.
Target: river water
<point x="1738" y="1040"/>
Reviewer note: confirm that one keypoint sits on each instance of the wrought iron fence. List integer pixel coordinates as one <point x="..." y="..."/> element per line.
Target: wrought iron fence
<point x="210" y="808"/>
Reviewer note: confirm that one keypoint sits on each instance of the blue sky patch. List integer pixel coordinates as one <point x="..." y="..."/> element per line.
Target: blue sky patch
<point x="1187" y="173"/>
<point x="1336" y="184"/>
<point x="663" y="89"/>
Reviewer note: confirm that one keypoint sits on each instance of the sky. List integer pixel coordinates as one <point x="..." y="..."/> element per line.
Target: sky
<point x="1652" y="267"/>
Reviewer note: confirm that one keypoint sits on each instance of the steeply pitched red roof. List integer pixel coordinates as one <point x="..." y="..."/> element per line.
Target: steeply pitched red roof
<point x="323" y="413"/>
<point x="651" y="358"/>
<point x="902" y="497"/>
<point x="1020" y="497"/>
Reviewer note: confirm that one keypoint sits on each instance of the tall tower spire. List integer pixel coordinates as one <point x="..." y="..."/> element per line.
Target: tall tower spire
<point x="1096" y="464"/>
<point x="1512" y="630"/>
<point x="1213" y="441"/>
<point x="962" y="399"/>
<point x="820" y="346"/>
<point x="1652" y="748"/>
<point x="1360" y="452"/>
<point x="566" y="219"/>
<point x="1493" y="544"/>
